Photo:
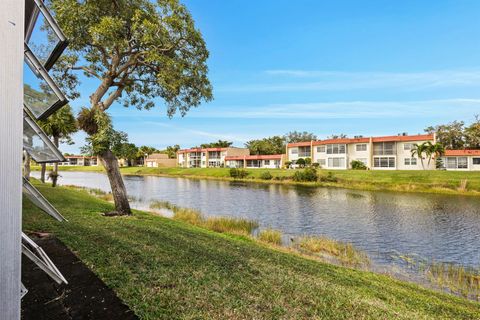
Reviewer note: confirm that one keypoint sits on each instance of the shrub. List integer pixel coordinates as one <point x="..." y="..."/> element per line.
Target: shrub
<point x="306" y="175"/>
<point x="238" y="173"/>
<point x="358" y="165"/>
<point x="308" y="162"/>
<point x="329" y="178"/>
<point x="266" y="176"/>
<point x="316" y="165"/>
<point x="288" y="164"/>
<point x="270" y="236"/>
<point x="301" y="162"/>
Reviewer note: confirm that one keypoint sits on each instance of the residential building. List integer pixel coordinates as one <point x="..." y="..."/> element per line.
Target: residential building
<point x="274" y="161"/>
<point x="462" y="160"/>
<point x="377" y="153"/>
<point x="79" y="160"/>
<point x="208" y="157"/>
<point x="160" y="160"/>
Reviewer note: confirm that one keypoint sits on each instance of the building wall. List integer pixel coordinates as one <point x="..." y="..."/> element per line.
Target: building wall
<point x="161" y="163"/>
<point x="405" y="153"/>
<point x="470" y="163"/>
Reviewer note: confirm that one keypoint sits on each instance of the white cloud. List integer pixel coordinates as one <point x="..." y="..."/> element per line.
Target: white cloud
<point x="304" y="80"/>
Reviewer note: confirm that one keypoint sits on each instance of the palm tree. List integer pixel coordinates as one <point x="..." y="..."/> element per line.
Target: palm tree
<point x="436" y="150"/>
<point x="419" y="150"/>
<point x="59" y="126"/>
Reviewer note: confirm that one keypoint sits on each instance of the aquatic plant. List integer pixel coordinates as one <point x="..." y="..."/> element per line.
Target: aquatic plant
<point x="455" y="278"/>
<point x="344" y="253"/>
<point x="270" y="236"/>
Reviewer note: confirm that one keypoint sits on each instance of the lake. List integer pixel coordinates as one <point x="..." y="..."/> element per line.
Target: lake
<point x="386" y="225"/>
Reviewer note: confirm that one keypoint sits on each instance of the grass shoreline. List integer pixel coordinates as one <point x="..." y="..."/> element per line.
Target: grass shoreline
<point x="438" y="182"/>
<point x="167" y="269"/>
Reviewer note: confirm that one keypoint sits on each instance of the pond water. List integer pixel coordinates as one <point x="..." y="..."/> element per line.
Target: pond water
<point x="384" y="224"/>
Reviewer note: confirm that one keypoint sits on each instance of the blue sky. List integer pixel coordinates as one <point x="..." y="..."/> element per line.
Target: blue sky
<point x="329" y="67"/>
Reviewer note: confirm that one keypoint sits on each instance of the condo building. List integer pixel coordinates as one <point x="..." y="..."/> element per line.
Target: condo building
<point x="208" y="157"/>
<point x="461" y="160"/>
<point x="377" y="153"/>
<point x="274" y="161"/>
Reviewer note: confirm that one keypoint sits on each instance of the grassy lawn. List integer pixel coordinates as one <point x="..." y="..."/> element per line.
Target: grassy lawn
<point x="412" y="181"/>
<point x="166" y="269"/>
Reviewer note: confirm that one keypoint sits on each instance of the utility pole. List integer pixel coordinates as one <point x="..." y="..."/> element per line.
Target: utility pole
<point x="11" y="128"/>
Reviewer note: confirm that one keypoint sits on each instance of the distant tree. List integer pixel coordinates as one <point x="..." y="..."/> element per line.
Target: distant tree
<point x="270" y="145"/>
<point x="59" y="127"/>
<point x="127" y="151"/>
<point x="472" y="134"/>
<point x="145" y="150"/>
<point x="436" y="151"/>
<point x="337" y="136"/>
<point x="297" y="136"/>
<point x="218" y="144"/>
<point x="450" y="135"/>
<point x="172" y="151"/>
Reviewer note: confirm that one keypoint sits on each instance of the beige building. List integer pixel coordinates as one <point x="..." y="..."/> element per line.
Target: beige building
<point x="208" y="157"/>
<point x="377" y="153"/>
<point x="78" y="160"/>
<point x="461" y="160"/>
<point x="274" y="161"/>
<point x="160" y="160"/>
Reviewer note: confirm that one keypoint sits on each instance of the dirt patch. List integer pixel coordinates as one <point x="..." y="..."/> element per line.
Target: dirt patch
<point x="85" y="296"/>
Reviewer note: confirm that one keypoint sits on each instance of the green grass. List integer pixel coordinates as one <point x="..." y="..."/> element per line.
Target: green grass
<point x="167" y="269"/>
<point x="449" y="182"/>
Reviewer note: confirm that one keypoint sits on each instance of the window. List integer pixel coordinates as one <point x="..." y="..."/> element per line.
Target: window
<point x="451" y="163"/>
<point x="321" y="149"/>
<point x="476" y="161"/>
<point x="294" y="150"/>
<point x="336" y="162"/>
<point x="384" y="162"/>
<point x="410" y="161"/>
<point x="267" y="162"/>
<point x="322" y="162"/>
<point x="407" y="146"/>
<point x="361" y="147"/>
<point x="384" y="148"/>
<point x="203" y="154"/>
<point x="462" y="162"/>
<point x="335" y="149"/>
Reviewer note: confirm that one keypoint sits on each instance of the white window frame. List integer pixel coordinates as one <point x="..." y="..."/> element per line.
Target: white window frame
<point x="321" y="149"/>
<point x="384" y="160"/>
<point x="361" y="147"/>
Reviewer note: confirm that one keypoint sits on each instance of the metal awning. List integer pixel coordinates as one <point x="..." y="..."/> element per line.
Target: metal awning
<point x="39" y="200"/>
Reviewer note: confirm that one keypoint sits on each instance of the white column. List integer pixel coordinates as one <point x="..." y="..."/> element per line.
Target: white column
<point x="11" y="128"/>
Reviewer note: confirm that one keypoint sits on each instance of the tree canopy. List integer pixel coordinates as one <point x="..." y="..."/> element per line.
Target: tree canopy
<point x="297" y="136"/>
<point x="218" y="144"/>
<point x="455" y="135"/>
<point x="270" y="145"/>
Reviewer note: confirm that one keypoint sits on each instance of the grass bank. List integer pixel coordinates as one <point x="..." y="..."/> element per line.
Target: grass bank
<point x="167" y="269"/>
<point x="446" y="182"/>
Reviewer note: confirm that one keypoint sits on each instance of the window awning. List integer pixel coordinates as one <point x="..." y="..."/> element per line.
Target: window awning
<point x="41" y="94"/>
<point x="37" y="144"/>
<point x="39" y="200"/>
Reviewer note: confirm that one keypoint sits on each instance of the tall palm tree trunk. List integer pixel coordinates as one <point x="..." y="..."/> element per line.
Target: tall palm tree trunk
<point x="26" y="165"/>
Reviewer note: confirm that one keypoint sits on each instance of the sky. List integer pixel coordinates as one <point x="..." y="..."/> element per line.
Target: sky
<point x="327" y="67"/>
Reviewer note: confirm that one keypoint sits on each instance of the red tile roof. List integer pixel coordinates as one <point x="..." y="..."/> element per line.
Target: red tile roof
<point x="80" y="157"/>
<point x="300" y="144"/>
<point x="419" y="137"/>
<point x="256" y="157"/>
<point x="462" y="153"/>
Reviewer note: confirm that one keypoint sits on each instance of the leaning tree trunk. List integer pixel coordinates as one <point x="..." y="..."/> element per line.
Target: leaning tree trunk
<point x="54" y="174"/>
<point x="43" y="169"/>
<point x="26" y="165"/>
<point x="109" y="161"/>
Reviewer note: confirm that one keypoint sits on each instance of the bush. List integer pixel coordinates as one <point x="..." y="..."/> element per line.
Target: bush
<point x="308" y="162"/>
<point x="328" y="178"/>
<point x="358" y="165"/>
<point x="266" y="176"/>
<point x="288" y="164"/>
<point x="307" y="175"/>
<point x="300" y="162"/>
<point x="238" y="173"/>
<point x="316" y="165"/>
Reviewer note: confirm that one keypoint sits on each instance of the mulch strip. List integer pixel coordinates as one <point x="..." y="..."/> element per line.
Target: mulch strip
<point x="85" y="296"/>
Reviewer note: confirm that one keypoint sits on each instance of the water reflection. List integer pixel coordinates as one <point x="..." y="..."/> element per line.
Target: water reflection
<point x="384" y="224"/>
